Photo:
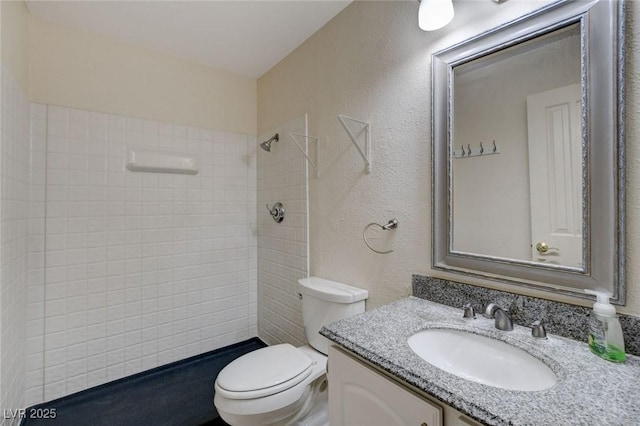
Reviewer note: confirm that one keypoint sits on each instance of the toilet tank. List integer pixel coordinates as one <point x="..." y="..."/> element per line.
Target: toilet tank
<point x="324" y="302"/>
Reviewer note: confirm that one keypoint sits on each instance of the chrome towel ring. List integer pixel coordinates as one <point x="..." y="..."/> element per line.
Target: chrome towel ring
<point x="392" y="224"/>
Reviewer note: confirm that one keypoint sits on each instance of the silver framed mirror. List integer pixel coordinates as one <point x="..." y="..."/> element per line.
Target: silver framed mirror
<point x="528" y="151"/>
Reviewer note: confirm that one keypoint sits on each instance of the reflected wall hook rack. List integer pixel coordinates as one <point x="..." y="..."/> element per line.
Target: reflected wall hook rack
<point x="392" y="224"/>
<point x="366" y="154"/>
<point x="482" y="151"/>
<point x="304" y="152"/>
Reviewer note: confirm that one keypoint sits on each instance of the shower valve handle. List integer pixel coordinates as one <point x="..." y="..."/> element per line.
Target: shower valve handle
<point x="276" y="212"/>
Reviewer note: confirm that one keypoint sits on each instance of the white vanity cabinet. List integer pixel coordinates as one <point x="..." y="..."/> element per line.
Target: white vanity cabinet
<point x="360" y="395"/>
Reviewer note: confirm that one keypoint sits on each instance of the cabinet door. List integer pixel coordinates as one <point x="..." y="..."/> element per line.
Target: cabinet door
<point x="456" y="418"/>
<point x="359" y="396"/>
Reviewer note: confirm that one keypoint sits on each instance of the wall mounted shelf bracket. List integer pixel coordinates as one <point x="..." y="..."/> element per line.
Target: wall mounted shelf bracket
<point x="366" y="154"/>
<point x="304" y="151"/>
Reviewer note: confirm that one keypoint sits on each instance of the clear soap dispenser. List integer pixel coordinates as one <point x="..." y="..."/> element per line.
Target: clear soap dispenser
<point x="605" y="333"/>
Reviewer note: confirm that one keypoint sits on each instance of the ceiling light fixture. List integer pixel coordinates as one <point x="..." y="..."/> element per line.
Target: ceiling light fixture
<point x="434" y="14"/>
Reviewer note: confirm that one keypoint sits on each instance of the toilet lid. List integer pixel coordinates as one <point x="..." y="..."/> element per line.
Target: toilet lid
<point x="265" y="371"/>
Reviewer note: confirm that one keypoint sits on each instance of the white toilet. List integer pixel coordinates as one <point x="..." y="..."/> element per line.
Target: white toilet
<point x="282" y="384"/>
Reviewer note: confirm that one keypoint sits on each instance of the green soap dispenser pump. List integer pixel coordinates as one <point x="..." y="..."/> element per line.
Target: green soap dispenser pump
<point x="605" y="333"/>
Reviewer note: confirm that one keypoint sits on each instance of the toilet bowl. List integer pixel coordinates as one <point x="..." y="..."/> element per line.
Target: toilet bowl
<point x="287" y="386"/>
<point x="282" y="384"/>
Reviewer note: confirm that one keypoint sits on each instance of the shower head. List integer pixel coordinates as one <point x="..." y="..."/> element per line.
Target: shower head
<point x="267" y="144"/>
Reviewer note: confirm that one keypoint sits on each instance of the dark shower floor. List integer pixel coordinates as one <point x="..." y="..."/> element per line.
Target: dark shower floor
<point x="176" y="394"/>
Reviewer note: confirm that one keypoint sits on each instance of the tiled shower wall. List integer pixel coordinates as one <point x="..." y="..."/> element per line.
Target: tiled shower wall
<point x="282" y="247"/>
<point x="14" y="206"/>
<point x="130" y="270"/>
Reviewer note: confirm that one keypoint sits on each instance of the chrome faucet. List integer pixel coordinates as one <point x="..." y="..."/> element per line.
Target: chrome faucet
<point x="490" y="310"/>
<point x="503" y="322"/>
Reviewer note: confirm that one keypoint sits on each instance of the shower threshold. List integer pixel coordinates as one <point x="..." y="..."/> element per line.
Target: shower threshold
<point x="176" y="394"/>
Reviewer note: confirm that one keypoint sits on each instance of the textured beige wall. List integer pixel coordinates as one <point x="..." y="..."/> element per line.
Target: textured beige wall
<point x="78" y="69"/>
<point x="373" y="61"/>
<point x="14" y="41"/>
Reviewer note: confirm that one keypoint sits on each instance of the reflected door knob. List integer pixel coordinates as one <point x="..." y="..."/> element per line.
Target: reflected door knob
<point x="542" y="247"/>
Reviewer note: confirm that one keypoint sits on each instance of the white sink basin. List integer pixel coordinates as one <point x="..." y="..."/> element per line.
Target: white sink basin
<point x="482" y="359"/>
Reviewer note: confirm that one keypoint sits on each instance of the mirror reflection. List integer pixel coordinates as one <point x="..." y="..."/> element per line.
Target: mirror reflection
<point x="517" y="153"/>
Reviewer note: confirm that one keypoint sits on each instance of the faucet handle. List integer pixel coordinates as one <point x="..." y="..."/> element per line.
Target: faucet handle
<point x="538" y="331"/>
<point x="468" y="311"/>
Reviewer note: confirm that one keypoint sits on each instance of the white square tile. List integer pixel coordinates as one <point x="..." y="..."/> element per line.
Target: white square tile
<point x="97" y="347"/>
<point x="34" y="396"/>
<point x="54" y="357"/>
<point x="77" y="351"/>
<point x="97" y="362"/>
<point x="97" y="377"/>
<point x="55" y="390"/>
<point x="76" y="367"/>
<point x="55" y="374"/>
<point x="115" y="371"/>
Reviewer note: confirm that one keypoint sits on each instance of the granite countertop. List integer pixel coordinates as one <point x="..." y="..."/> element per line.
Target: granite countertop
<point x="589" y="391"/>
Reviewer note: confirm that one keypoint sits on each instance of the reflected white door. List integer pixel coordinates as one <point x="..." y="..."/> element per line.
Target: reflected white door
<point x="555" y="175"/>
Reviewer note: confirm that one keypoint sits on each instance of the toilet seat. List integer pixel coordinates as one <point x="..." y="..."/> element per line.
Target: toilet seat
<point x="264" y="372"/>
